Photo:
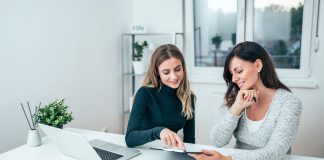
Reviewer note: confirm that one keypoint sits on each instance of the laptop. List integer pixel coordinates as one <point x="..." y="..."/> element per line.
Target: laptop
<point x="75" y="145"/>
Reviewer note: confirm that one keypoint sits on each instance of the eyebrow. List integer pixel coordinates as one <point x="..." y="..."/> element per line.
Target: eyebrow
<point x="178" y="66"/>
<point x="234" y="69"/>
<point x="169" y="69"/>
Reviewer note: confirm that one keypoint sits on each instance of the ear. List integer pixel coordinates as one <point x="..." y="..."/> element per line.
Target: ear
<point x="258" y="64"/>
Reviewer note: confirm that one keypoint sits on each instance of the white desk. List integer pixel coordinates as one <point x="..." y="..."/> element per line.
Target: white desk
<point x="49" y="152"/>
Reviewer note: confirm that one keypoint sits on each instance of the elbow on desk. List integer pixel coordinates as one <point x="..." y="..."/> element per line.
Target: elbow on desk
<point x="129" y="142"/>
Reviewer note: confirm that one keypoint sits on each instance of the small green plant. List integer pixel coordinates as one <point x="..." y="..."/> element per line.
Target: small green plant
<point x="138" y="55"/>
<point x="217" y="40"/>
<point x="54" y="114"/>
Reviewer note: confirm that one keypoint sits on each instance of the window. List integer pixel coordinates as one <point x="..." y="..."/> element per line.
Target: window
<point x="278" y="28"/>
<point x="213" y="27"/>
<point x="215" y="31"/>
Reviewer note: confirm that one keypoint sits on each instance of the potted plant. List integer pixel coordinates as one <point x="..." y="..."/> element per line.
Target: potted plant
<point x="138" y="64"/>
<point x="217" y="40"/>
<point x="54" y="114"/>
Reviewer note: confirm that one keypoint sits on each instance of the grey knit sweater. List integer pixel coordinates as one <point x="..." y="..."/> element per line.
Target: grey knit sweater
<point x="274" y="137"/>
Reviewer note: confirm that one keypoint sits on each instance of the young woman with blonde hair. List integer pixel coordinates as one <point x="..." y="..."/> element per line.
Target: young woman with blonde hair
<point x="164" y="104"/>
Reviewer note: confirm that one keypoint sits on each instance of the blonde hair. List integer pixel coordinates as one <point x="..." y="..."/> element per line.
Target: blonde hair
<point x="161" y="54"/>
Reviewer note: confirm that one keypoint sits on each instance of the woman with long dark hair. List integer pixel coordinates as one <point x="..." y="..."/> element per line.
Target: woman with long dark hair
<point x="260" y="111"/>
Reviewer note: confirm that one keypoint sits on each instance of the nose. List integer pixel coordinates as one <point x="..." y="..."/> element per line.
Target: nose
<point x="234" y="78"/>
<point x="173" y="75"/>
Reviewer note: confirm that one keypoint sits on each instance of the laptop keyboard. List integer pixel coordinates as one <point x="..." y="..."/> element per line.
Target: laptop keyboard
<point x="106" y="155"/>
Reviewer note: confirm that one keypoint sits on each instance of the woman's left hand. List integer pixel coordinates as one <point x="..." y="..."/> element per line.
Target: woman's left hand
<point x="210" y="155"/>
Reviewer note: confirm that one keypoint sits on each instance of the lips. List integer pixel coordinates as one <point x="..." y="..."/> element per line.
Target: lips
<point x="173" y="82"/>
<point x="240" y="84"/>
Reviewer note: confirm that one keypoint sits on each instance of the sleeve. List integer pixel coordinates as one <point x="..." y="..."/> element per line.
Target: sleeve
<point x="282" y="136"/>
<point x="189" y="128"/>
<point x="134" y="135"/>
<point x="222" y="132"/>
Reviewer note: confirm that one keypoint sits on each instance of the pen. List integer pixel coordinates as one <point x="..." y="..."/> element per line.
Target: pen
<point x="26" y="116"/>
<point x="31" y="117"/>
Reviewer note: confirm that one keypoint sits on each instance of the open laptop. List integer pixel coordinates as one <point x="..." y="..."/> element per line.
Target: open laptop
<point x="75" y="145"/>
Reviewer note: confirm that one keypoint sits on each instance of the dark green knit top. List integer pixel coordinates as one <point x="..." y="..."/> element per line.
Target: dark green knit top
<point x="153" y="110"/>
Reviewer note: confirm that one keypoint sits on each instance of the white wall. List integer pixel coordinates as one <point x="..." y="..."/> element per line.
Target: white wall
<point x="162" y="16"/>
<point x="61" y="49"/>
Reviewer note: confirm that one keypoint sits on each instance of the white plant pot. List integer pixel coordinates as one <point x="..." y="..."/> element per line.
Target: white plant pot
<point x="138" y="67"/>
<point x="34" y="138"/>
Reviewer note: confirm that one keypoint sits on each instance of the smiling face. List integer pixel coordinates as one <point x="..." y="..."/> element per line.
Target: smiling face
<point x="171" y="72"/>
<point x="244" y="73"/>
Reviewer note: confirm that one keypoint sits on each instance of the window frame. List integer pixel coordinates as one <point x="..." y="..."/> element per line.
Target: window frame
<point x="245" y="21"/>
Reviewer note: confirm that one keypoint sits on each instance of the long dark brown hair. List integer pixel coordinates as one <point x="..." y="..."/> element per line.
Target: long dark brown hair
<point x="152" y="79"/>
<point x="250" y="51"/>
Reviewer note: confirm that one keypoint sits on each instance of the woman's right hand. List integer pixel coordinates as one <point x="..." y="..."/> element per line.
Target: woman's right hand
<point x="171" y="139"/>
<point x="244" y="98"/>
